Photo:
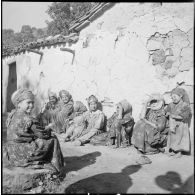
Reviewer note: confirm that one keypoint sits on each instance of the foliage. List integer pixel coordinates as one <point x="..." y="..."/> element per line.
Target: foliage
<point x="26" y="35"/>
<point x="63" y="13"/>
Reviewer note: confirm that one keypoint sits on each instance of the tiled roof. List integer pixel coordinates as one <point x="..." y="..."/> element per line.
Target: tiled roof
<point x="40" y="43"/>
<point x="89" y="17"/>
<point x="75" y="28"/>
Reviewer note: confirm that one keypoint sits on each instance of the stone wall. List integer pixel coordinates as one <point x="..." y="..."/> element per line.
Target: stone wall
<point x="132" y="50"/>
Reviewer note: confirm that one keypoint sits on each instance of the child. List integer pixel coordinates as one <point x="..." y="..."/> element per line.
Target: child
<point x="94" y="121"/>
<point x="179" y="114"/>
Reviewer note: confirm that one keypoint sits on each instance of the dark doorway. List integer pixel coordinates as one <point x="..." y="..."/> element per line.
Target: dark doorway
<point x="12" y="85"/>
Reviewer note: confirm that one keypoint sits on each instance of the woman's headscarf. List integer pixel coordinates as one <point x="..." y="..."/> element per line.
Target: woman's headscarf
<point x="127" y="107"/>
<point x="181" y="92"/>
<point x="65" y="93"/>
<point x="91" y="99"/>
<point x="20" y="95"/>
<point x="159" y="98"/>
<point x="16" y="98"/>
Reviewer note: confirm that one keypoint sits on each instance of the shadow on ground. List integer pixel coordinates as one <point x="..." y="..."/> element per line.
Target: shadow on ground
<point x="105" y="182"/>
<point x="75" y="163"/>
<point x="172" y="182"/>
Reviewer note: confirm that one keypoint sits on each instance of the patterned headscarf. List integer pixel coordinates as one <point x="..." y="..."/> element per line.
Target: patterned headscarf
<point x="183" y="93"/>
<point x="159" y="98"/>
<point x="92" y="98"/>
<point x="20" y="95"/>
<point x="65" y="93"/>
<point x="16" y="98"/>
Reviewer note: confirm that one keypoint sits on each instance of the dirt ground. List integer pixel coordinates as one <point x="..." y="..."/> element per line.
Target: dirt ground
<point x="101" y="169"/>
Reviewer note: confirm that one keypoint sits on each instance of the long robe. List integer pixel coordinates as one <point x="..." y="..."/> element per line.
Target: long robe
<point x="94" y="123"/>
<point x="58" y="115"/>
<point x="179" y="140"/>
<point x="146" y="137"/>
<point x="23" y="147"/>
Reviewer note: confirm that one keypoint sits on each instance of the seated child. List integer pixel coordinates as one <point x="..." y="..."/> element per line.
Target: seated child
<point x="179" y="114"/>
<point x="120" y="125"/>
<point x="93" y="120"/>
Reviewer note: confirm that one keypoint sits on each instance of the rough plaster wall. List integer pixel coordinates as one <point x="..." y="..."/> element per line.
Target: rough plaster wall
<point x="129" y="37"/>
<point x="134" y="49"/>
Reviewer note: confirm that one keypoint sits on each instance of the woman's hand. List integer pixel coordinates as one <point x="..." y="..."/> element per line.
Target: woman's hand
<point x="150" y="123"/>
<point x="28" y="124"/>
<point x="49" y="126"/>
<point x="168" y="114"/>
<point x="174" y="116"/>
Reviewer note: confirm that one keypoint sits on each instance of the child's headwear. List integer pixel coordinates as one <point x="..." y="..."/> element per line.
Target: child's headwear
<point x="181" y="92"/>
<point x="92" y="98"/>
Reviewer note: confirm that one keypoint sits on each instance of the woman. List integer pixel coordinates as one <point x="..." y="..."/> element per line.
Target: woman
<point x="66" y="109"/>
<point x="49" y="110"/>
<point x="149" y="134"/>
<point x="121" y="124"/>
<point x="24" y="147"/>
<point x="179" y="114"/>
<point x="94" y="121"/>
<point x="76" y="124"/>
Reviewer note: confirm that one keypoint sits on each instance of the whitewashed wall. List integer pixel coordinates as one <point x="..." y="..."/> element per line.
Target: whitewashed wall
<point x="114" y="61"/>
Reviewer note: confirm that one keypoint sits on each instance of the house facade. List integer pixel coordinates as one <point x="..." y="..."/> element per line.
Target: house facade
<point x="116" y="51"/>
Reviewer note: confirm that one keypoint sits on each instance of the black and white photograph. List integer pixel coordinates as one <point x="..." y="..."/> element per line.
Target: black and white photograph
<point x="97" y="97"/>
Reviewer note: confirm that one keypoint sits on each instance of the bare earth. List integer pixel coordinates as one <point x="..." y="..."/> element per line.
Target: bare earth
<point x="101" y="169"/>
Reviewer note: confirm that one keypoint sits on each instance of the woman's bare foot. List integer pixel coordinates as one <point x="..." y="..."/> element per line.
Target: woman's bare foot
<point x="178" y="155"/>
<point x="77" y="143"/>
<point x="67" y="139"/>
<point x="171" y="153"/>
<point x="114" y="147"/>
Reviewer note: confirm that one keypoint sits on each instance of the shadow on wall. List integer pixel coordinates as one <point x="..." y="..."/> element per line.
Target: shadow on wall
<point x="75" y="163"/>
<point x="172" y="182"/>
<point x="105" y="182"/>
<point x="39" y="103"/>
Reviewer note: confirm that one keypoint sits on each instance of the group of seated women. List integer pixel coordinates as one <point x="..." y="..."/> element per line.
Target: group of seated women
<point x="32" y="141"/>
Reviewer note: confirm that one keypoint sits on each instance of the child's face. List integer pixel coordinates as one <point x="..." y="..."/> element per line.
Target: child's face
<point x="176" y="98"/>
<point x="26" y="105"/>
<point x="154" y="104"/>
<point x="52" y="99"/>
<point x="93" y="106"/>
<point x="64" y="98"/>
